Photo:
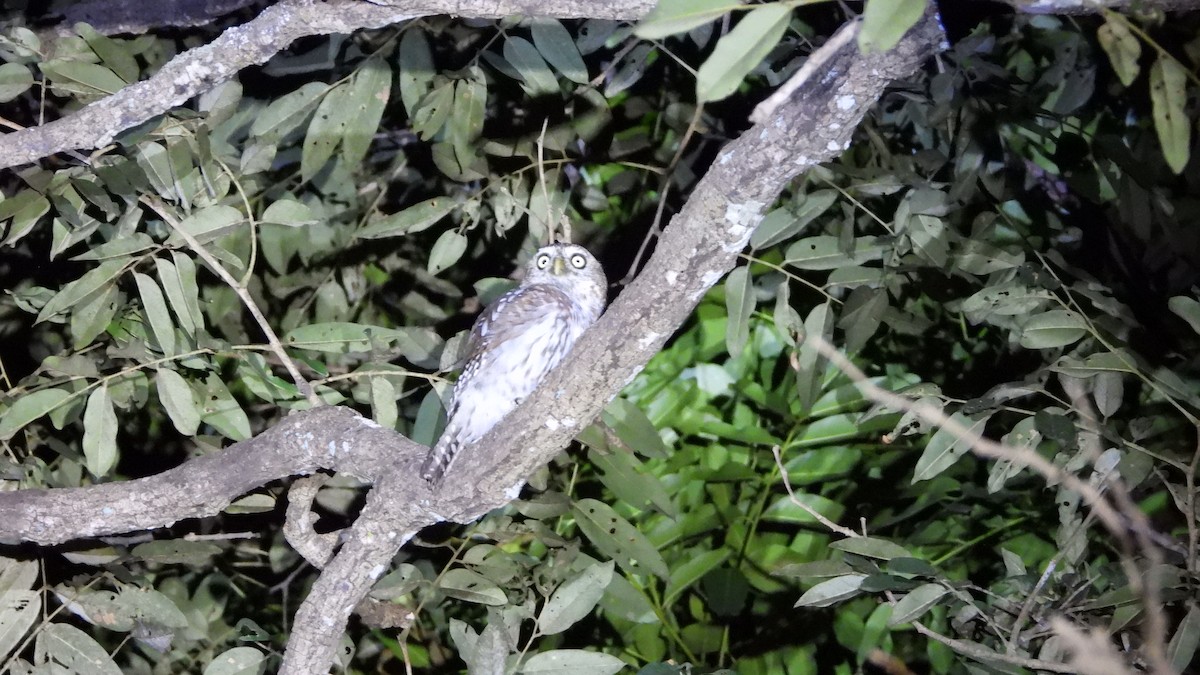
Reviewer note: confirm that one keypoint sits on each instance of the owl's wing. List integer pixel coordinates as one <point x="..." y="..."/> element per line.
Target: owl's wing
<point x="514" y="313"/>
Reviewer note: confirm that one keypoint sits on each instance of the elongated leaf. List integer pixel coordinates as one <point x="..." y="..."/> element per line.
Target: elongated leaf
<point x="208" y="223"/>
<point x="886" y="21"/>
<point x="168" y="276"/>
<point x="824" y="252"/>
<point x="415" y="218"/>
<point x="914" y="604"/>
<point x="179" y="400"/>
<point x="832" y="591"/>
<point x="574" y="661"/>
<point x="77" y="290"/>
<point x="739" y="302"/>
<point x="554" y="43"/>
<point x="100" y="433"/>
<point x="575" y="598"/>
<point x="19" y="609"/>
<point x="739" y="51"/>
<point x="155" y="306"/>
<point x="28" y="408"/>
<point x="65" y="644"/>
<point x="1123" y="49"/>
<point x="88" y="80"/>
<point x="617" y="539"/>
<point x="945" y="448"/>
<point x="1055" y="328"/>
<point x="416" y="68"/>
<point x="368" y="94"/>
<point x="679" y="16"/>
<point x="472" y="586"/>
<point x="1168" y="96"/>
<point x="326" y="130"/>
<point x="535" y="74"/>
<point x="446" y="251"/>
<point x="692" y="570"/>
<point x="871" y="547"/>
<point x="222" y="411"/>
<point x="287" y="113"/>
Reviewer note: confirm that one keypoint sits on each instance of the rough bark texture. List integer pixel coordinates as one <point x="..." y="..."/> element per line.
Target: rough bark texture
<point x="200" y="69"/>
<point x="696" y="250"/>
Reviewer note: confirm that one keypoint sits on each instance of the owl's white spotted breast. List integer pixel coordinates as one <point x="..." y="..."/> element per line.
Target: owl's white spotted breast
<point x="517" y="341"/>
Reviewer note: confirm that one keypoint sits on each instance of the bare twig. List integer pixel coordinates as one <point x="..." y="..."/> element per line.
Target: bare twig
<point x="787" y="485"/>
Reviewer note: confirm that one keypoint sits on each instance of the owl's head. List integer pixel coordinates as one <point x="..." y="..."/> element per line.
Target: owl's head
<point x="567" y="265"/>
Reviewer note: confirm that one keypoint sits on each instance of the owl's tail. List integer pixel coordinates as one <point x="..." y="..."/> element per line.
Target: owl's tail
<point x="439" y="458"/>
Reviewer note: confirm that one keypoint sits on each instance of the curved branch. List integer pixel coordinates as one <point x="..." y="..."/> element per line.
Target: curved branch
<point x="252" y="43"/>
<point x="326" y="438"/>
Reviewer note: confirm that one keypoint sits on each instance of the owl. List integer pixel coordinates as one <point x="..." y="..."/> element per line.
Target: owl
<point x="516" y="341"/>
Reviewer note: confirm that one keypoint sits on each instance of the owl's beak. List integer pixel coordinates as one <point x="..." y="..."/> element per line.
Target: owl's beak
<point x="558" y="267"/>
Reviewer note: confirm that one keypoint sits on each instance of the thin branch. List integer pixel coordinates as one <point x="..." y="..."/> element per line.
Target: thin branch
<point x="787" y="485"/>
<point x="265" y="326"/>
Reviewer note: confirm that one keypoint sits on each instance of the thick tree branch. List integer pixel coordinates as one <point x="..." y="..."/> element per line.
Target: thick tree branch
<point x="327" y="438"/>
<point x="111" y="17"/>
<point x="697" y="249"/>
<point x="202" y="68"/>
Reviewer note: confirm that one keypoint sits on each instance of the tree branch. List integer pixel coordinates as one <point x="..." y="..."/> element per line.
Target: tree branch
<point x="252" y="43"/>
<point x="331" y="438"/>
<point x="697" y="249"/>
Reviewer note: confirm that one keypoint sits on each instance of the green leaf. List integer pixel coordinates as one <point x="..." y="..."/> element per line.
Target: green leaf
<point x="783" y="223"/>
<point x="66" y="645"/>
<point x="15" y="79"/>
<point x="114" y="54"/>
<point x="92" y="281"/>
<point x="573" y="661"/>
<point x="678" y="16"/>
<point x="367" y="96"/>
<point x="416" y="68"/>
<point x="739" y="51"/>
<point x="19" y="609"/>
<point x="1182" y="648"/>
<point x="945" y="448"/>
<point x="220" y="410"/>
<point x="433" y="111"/>
<point x="179" y="400"/>
<point x="30" y="407"/>
<point x="1187" y="309"/>
<point x="824" y="252"/>
<point x="1123" y="49"/>
<point x="286" y="113"/>
<point x="871" y="547"/>
<point x="1055" y="328"/>
<point x="87" y="80"/>
<point x="446" y="251"/>
<point x="176" y="552"/>
<point x="208" y="223"/>
<point x="472" y="586"/>
<point x="739" y="302"/>
<point x="100" y="433"/>
<point x="886" y="21"/>
<point x="691" y="571"/>
<point x="415" y="218"/>
<point x="237" y="661"/>
<point x="1168" y="97"/>
<point x="25" y="209"/>
<point x="534" y="72"/>
<point x="555" y="44"/>
<point x="916" y="603"/>
<point x="341" y="337"/>
<point x="326" y="130"/>
<point x="155" y="306"/>
<point x="617" y="539"/>
<point x="288" y="212"/>
<point x="574" y="599"/>
<point x="832" y="591"/>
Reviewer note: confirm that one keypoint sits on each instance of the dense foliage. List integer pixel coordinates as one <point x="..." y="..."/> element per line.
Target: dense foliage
<point x="1008" y="240"/>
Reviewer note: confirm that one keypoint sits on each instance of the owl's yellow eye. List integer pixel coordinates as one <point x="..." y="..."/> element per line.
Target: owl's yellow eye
<point x="543" y="261"/>
<point x="578" y="261"/>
